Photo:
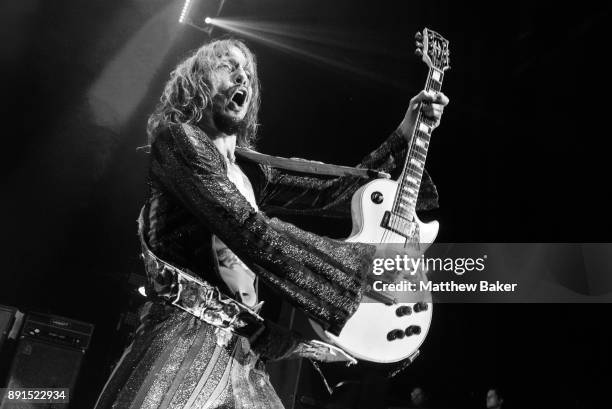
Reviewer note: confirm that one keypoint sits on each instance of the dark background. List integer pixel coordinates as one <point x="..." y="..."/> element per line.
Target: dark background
<point x="521" y="156"/>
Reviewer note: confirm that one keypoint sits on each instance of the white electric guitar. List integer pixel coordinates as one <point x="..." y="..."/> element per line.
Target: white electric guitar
<point x="383" y="211"/>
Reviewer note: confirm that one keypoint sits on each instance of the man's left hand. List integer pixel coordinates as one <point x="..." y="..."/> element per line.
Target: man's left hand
<point x="431" y="104"/>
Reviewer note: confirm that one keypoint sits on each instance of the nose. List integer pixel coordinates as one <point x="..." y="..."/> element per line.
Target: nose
<point x="240" y="77"/>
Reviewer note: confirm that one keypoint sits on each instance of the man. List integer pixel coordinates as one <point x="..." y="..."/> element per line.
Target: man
<point x="418" y="398"/>
<point x="495" y="399"/>
<point x="206" y="243"/>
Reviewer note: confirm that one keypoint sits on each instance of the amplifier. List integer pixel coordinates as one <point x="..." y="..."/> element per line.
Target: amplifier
<point x="57" y="330"/>
<point x="7" y="317"/>
<point x="49" y="353"/>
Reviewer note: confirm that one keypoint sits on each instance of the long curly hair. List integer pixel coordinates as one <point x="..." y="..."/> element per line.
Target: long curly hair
<point x="187" y="94"/>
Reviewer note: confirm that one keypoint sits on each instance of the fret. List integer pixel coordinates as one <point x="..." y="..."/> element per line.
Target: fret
<point x="427" y="121"/>
<point x="418" y="154"/>
<point x="417" y="163"/>
<point x="422" y="135"/>
<point x="411" y="179"/>
<point x="409" y="195"/>
<point x="426" y="129"/>
<point x="405" y="204"/>
<point x="434" y="86"/>
<point x="408" y="190"/>
<point x="421" y="143"/>
<point x="415" y="173"/>
<point x="437" y="75"/>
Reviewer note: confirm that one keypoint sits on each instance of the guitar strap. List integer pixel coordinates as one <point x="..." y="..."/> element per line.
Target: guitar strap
<point x="308" y="166"/>
<point x="301" y="165"/>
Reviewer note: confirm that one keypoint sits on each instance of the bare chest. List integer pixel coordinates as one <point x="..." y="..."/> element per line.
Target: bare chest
<point x="238" y="277"/>
<point x="242" y="183"/>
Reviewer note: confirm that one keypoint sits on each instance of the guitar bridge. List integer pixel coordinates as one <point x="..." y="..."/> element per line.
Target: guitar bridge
<point x="400" y="225"/>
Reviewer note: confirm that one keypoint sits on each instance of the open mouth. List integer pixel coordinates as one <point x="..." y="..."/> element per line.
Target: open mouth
<point x="239" y="97"/>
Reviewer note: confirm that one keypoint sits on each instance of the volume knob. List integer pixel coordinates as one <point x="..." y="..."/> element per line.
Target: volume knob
<point x="420" y="306"/>
<point x="395" y="334"/>
<point x="403" y="310"/>
<point x="377" y="197"/>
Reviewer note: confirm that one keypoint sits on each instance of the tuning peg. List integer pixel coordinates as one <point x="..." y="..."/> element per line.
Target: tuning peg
<point x="418" y="36"/>
<point x="418" y="52"/>
<point x="419" y="44"/>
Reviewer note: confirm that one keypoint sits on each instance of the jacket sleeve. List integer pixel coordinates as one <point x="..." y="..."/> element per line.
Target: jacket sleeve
<point x="323" y="277"/>
<point x="287" y="192"/>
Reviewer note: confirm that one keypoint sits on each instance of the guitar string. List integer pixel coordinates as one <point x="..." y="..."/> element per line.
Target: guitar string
<point x="415" y="169"/>
<point x="408" y="167"/>
<point x="396" y="208"/>
<point x="412" y="169"/>
<point x="396" y="202"/>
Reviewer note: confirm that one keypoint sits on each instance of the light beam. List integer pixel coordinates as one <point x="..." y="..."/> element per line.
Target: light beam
<point x="257" y="33"/>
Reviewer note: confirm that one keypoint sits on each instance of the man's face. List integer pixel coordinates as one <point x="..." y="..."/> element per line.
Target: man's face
<point x="493" y="399"/>
<point x="231" y="90"/>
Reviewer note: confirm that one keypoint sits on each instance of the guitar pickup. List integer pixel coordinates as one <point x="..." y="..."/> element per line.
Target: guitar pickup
<point x="399" y="224"/>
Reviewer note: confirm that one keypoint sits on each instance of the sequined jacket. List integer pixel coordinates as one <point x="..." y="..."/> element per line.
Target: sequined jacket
<point x="191" y="199"/>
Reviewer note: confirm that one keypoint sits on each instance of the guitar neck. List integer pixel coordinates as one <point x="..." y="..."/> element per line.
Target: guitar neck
<point x="412" y="174"/>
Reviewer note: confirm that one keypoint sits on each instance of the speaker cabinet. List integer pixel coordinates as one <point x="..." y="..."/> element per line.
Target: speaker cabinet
<point x="48" y="355"/>
<point x="7" y="317"/>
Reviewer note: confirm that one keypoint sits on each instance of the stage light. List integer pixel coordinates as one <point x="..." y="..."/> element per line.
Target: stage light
<point x="142" y="291"/>
<point x="200" y="13"/>
<point x="185" y="11"/>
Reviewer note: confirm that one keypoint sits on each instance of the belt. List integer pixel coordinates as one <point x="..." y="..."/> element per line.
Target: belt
<point x="183" y="289"/>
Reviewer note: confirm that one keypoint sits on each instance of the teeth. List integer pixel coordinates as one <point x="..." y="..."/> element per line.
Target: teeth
<point x="239" y="97"/>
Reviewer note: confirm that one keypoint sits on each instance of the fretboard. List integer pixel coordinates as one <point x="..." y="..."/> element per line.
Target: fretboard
<point x="410" y="180"/>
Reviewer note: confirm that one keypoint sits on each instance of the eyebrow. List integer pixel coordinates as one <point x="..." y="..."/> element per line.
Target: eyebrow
<point x="247" y="65"/>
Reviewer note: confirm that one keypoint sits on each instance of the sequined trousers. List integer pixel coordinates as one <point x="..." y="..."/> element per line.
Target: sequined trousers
<point x="178" y="361"/>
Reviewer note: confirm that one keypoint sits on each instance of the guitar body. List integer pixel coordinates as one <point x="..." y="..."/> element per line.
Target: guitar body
<point x="383" y="329"/>
<point x="365" y="334"/>
<point x="367" y="214"/>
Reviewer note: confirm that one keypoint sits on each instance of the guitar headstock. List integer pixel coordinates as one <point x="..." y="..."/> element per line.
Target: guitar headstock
<point x="433" y="48"/>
